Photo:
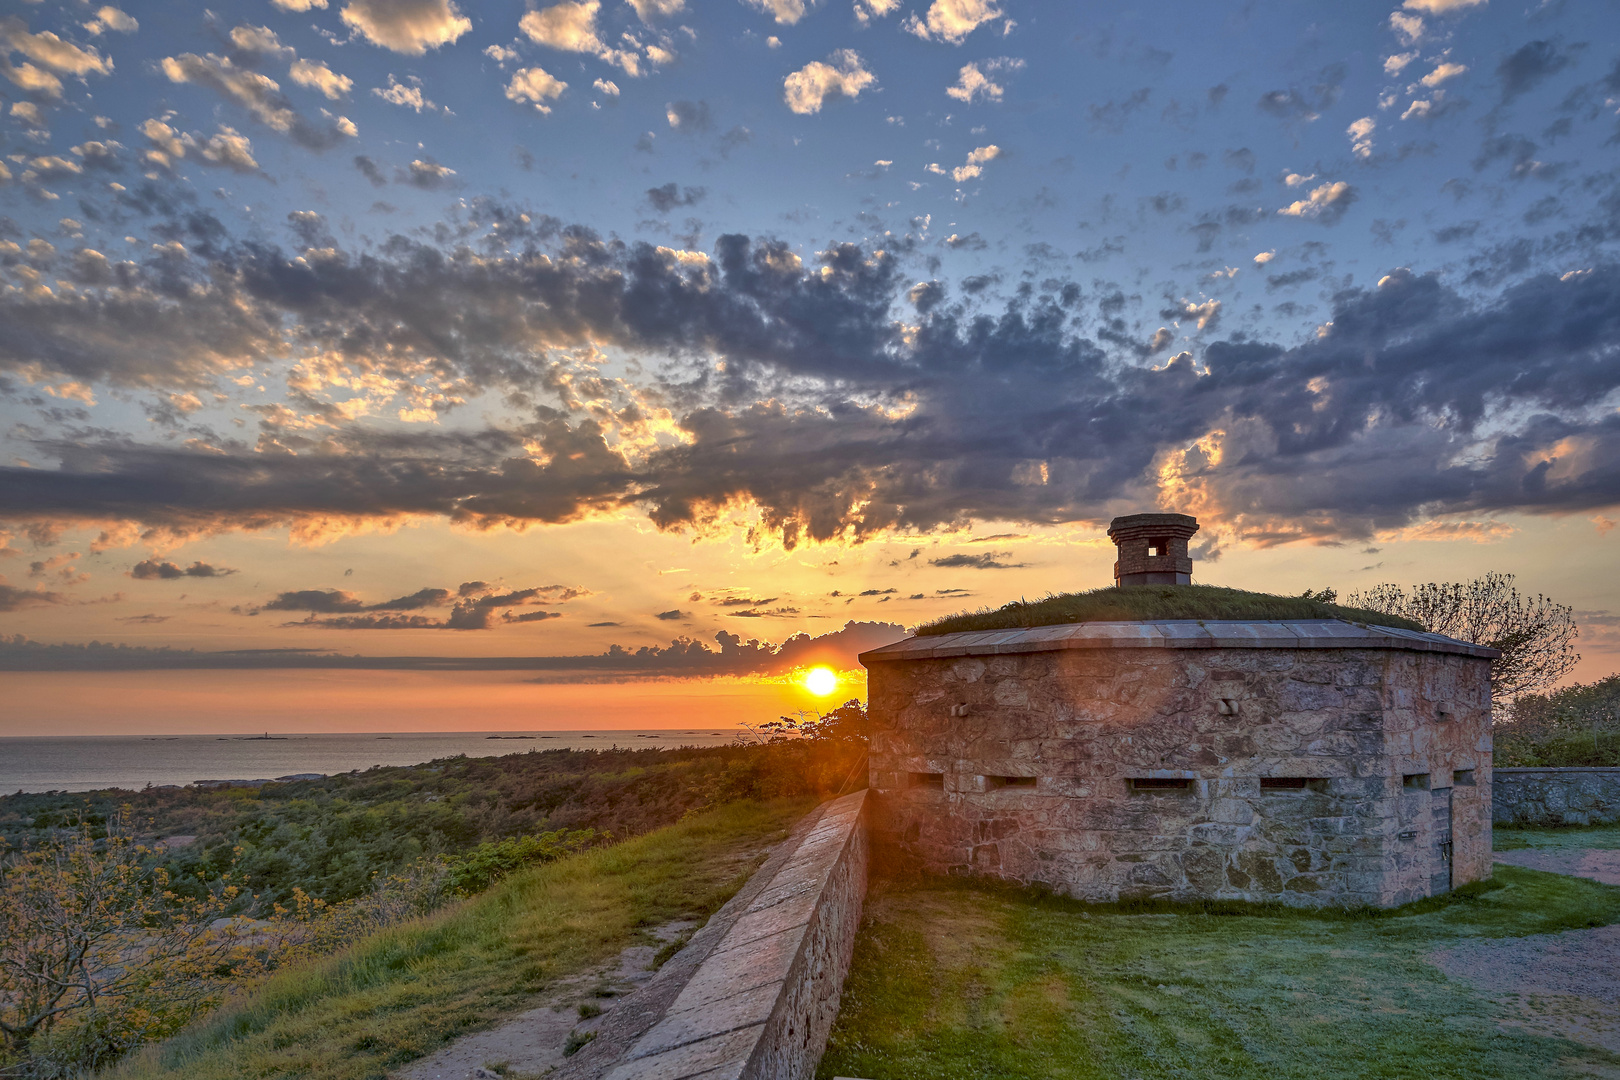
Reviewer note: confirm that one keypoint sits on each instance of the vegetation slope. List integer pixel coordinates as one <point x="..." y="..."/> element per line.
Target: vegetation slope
<point x="404" y="992"/>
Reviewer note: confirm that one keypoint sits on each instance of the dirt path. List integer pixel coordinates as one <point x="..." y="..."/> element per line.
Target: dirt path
<point x="1565" y="985"/>
<point x="532" y="1042"/>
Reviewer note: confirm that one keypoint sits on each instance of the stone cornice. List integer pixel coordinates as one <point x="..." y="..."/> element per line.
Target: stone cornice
<point x="1175" y="634"/>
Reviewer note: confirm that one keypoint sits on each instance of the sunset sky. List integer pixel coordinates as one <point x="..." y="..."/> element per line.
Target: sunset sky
<point x="629" y="333"/>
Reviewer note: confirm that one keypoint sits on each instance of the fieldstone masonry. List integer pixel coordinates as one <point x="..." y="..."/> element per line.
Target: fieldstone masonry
<point x="1316" y="763"/>
<point x="1552" y="797"/>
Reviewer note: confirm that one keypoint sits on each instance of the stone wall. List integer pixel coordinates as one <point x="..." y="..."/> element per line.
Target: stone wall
<point x="1550" y="797"/>
<point x="1311" y="775"/>
<point x="762" y="1002"/>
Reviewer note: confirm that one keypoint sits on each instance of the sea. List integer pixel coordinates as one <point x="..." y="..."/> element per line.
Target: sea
<point x="95" y="762"/>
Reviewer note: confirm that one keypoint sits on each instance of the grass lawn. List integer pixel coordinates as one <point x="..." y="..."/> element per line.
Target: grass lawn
<point x="957" y="979"/>
<point x="1135" y="602"/>
<point x="1569" y="838"/>
<point x="407" y="991"/>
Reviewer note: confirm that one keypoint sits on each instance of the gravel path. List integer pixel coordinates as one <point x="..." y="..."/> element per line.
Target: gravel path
<point x="1599" y="865"/>
<point x="1565" y="985"/>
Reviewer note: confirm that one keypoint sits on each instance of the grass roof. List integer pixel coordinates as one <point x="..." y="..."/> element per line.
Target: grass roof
<point x="1142" y="603"/>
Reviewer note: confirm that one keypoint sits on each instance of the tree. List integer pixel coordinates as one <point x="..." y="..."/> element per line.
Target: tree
<point x="90" y="930"/>
<point x="1535" y="636"/>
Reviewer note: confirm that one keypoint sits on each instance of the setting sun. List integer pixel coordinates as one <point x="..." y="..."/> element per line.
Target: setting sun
<point x="820" y="681"/>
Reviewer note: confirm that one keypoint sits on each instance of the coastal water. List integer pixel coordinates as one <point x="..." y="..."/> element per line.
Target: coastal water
<point x="91" y="762"/>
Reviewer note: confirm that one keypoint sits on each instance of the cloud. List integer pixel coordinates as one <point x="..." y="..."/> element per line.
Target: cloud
<point x="299" y="5"/>
<point x="1442" y="72"/>
<point x="867" y="10"/>
<point x="571" y="27"/>
<point x="1530" y="66"/>
<point x="259" y="94"/>
<point x="411" y="27"/>
<point x="844" y="76"/>
<point x="785" y="12"/>
<point x="673" y="615"/>
<point x="411" y="97"/>
<point x="973" y="81"/>
<point x="317" y="76"/>
<point x="428" y="175"/>
<point x="161" y="570"/>
<point x="1440" y="7"/>
<point x="1407" y="27"/>
<point x="111" y="18"/>
<point x="606" y="86"/>
<point x="259" y="39"/>
<point x="952" y="20"/>
<point x="649" y="11"/>
<point x="1360" y="133"/>
<point x="536" y="85"/>
<point x="226" y="148"/>
<point x="1326" y="203"/>
<point x="46" y="57"/>
<point x="975" y="163"/>
<point x="989" y="560"/>
<point x="666" y="198"/>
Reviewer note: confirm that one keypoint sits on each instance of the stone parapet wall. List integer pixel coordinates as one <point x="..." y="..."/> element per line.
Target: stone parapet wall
<point x="762" y="1002"/>
<point x="1551" y="797"/>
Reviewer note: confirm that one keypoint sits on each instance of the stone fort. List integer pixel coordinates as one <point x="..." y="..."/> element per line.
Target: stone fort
<point x="1315" y="762"/>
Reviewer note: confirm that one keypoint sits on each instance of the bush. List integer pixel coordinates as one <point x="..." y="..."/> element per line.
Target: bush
<point x="1578" y="725"/>
<point x="487" y="863"/>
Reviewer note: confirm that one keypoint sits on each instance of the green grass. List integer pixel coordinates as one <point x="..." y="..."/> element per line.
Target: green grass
<point x="956" y="980"/>
<point x="1567" y="838"/>
<point x="407" y="991"/>
<point x="1139" y="602"/>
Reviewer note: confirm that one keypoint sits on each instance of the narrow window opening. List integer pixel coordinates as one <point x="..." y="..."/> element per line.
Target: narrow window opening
<point x="928" y="779"/>
<point x="1159" y="783"/>
<point x="1026" y="782"/>
<point x="1415" y="781"/>
<point x="1157" y="548"/>
<point x="1292" y="783"/>
<point x="1463" y="778"/>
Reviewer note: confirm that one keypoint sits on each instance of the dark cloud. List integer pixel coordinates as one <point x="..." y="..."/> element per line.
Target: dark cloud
<point x="683" y="657"/>
<point x="1241" y="158"/>
<point x="15" y="599"/>
<point x="157" y="569"/>
<point x="827" y="414"/>
<point x="475" y="605"/>
<point x="1529" y="66"/>
<point x="689" y="117"/>
<point x="1306" y="103"/>
<point x="673" y="615"/>
<point x="990" y="560"/>
<point x="1111" y="115"/>
<point x="370" y="170"/>
<point x="666" y="198"/>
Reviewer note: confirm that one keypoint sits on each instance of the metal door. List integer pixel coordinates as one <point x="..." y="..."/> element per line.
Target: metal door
<point x="1440" y="819"/>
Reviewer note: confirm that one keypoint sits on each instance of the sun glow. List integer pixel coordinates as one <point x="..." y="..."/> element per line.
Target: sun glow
<point x="820" y="681"/>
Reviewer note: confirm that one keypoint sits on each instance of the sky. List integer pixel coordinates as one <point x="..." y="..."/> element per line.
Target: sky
<point x="679" y="347"/>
